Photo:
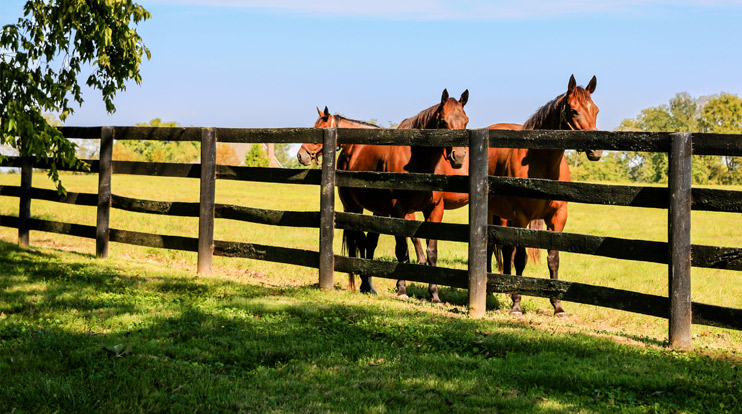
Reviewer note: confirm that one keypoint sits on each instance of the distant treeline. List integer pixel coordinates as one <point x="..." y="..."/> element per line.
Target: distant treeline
<point x="720" y="113"/>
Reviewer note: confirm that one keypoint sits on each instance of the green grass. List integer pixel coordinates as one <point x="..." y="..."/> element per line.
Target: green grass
<point x="139" y="332"/>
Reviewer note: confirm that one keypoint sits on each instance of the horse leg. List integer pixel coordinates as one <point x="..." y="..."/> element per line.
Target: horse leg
<point x="519" y="259"/>
<point x="416" y="242"/>
<point x="556" y="222"/>
<point x="371" y="241"/>
<point x="403" y="256"/>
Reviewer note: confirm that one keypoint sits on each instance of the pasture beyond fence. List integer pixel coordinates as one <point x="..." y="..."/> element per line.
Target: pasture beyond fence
<point x="679" y="198"/>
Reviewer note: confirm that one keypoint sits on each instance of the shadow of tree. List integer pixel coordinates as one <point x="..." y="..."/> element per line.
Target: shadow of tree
<point x="206" y="345"/>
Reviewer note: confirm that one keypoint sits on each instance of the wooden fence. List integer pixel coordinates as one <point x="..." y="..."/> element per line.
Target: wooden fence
<point x="678" y="198"/>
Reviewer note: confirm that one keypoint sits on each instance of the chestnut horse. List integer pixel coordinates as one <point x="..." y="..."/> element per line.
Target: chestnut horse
<point x="573" y="110"/>
<point x="449" y="113"/>
<point x="309" y="153"/>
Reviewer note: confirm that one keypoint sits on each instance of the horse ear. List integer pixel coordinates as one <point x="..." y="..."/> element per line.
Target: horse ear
<point x="464" y="97"/>
<point x="319" y="111"/>
<point x="572" y="84"/>
<point x="444" y="97"/>
<point x="591" y="86"/>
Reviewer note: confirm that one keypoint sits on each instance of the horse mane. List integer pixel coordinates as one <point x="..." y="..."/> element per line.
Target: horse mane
<point x="544" y="114"/>
<point x="420" y="120"/>
<point x="364" y="123"/>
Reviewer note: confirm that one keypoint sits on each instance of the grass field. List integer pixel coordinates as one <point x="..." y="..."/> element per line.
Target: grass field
<point x="139" y="332"/>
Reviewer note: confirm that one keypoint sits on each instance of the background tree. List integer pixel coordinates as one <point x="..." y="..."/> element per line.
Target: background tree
<point x="42" y="57"/>
<point x="256" y="156"/>
<point x="683" y="113"/>
<point x="157" y="151"/>
<point x="723" y="114"/>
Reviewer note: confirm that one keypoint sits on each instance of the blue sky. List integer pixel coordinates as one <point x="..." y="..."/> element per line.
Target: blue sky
<point x="261" y="63"/>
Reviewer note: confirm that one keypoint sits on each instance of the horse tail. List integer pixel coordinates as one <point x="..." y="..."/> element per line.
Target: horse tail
<point x="498" y="257"/>
<point x="345" y="251"/>
<point x="534" y="253"/>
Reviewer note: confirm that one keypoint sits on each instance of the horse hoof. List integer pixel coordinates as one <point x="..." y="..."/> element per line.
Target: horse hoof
<point x="403" y="296"/>
<point x="517" y="313"/>
<point x="561" y="314"/>
<point x="436" y="301"/>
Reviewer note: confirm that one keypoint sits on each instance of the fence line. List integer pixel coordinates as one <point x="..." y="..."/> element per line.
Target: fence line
<point x="679" y="198"/>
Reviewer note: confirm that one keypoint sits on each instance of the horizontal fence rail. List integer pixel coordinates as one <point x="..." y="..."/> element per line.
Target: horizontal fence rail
<point x="624" y="195"/>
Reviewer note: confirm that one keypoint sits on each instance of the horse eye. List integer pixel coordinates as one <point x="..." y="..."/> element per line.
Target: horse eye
<point x="574" y="112"/>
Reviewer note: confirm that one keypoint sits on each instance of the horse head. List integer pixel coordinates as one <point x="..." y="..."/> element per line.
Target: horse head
<point x="578" y="111"/>
<point x="309" y="152"/>
<point x="450" y="115"/>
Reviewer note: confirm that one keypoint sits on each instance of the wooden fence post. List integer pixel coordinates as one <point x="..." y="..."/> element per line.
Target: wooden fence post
<point x="327" y="211"/>
<point x="478" y="195"/>
<point x="207" y="201"/>
<point x="102" y="224"/>
<point x="24" y="207"/>
<point x="679" y="260"/>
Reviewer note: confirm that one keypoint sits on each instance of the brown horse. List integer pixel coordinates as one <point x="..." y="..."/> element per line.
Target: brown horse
<point x="573" y="110"/>
<point x="309" y="153"/>
<point x="449" y="113"/>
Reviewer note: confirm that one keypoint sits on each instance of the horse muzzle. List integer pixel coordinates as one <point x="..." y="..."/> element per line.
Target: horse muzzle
<point x="594" y="155"/>
<point x="456" y="158"/>
<point x="304" y="157"/>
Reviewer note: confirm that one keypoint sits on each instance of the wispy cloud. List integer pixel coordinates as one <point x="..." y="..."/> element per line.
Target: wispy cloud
<point x="461" y="9"/>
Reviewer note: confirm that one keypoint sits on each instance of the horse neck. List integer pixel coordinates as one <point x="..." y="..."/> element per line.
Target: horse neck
<point x="425" y="159"/>
<point x="547" y="118"/>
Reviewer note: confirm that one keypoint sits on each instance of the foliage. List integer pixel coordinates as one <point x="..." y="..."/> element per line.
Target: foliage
<point x="226" y="154"/>
<point x="286" y="156"/>
<point x="157" y="151"/>
<point x="720" y="113"/>
<point x="256" y="156"/>
<point x="44" y="53"/>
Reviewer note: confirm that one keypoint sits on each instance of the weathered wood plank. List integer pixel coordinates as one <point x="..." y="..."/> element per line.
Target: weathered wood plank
<point x="618" y="195"/>
<point x="680" y="178"/>
<point x="605" y="297"/>
<point x="158" y="133"/>
<point x="478" y="196"/>
<point x="161" y="169"/>
<point x="269" y="175"/>
<point x="411" y="137"/>
<point x="24" y="202"/>
<point x="581" y="140"/>
<point x="717" y="144"/>
<point x="403" y="181"/>
<point x="617" y="248"/>
<point x="104" y="192"/>
<point x="207" y="201"/>
<point x="403" y="271"/>
<point x="71" y="229"/>
<point x="170" y="208"/>
<point x="708" y="199"/>
<point x="256" y="251"/>
<point x="327" y="212"/>
<point x="189" y="244"/>
<point x="270" y="217"/>
<point x="72" y="132"/>
<point x="402" y="227"/>
<point x="8" y="221"/>
<point x="276" y="135"/>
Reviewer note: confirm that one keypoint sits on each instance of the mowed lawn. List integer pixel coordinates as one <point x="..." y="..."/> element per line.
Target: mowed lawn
<point x="140" y="332"/>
